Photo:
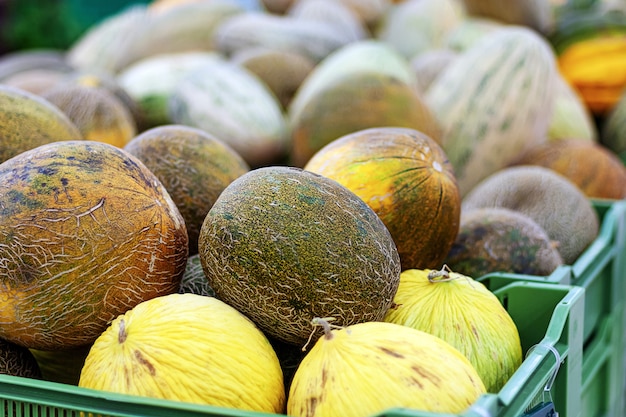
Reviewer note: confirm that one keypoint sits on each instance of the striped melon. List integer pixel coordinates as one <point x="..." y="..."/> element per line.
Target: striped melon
<point x="312" y="38"/>
<point x="414" y="27"/>
<point x="613" y="133"/>
<point x="231" y="103"/>
<point x="494" y="101"/>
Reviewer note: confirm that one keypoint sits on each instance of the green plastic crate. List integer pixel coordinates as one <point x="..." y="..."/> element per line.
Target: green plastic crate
<point x="603" y="369"/>
<point x="548" y="317"/>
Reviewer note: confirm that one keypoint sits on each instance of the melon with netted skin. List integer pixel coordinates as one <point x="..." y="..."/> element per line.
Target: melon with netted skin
<point x="284" y="245"/>
<point x="17" y="360"/>
<point x="88" y="232"/>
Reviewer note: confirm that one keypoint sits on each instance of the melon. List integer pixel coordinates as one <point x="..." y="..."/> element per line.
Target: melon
<point x="494" y="101"/>
<point x="535" y="14"/>
<point x="596" y="170"/>
<point x="554" y="202"/>
<point x="313" y="39"/>
<point x="17" y="360"/>
<point x="193" y="166"/>
<point x="284" y="245"/>
<point x="106" y="45"/>
<point x="405" y="177"/>
<point x="187" y="27"/>
<point x="367" y="368"/>
<point x="334" y="13"/>
<point x="231" y="103"/>
<point x="415" y="27"/>
<point x="496" y="239"/>
<point x="571" y="119"/>
<point x="190" y="348"/>
<point x="28" y="121"/>
<point x="24" y="60"/>
<point x="97" y="113"/>
<point x="282" y="71"/>
<point x="464" y="313"/>
<point x="87" y="233"/>
<point x="613" y="130"/>
<point x="194" y="280"/>
<point x="428" y="65"/>
<point x="151" y="81"/>
<point x="363" y="85"/>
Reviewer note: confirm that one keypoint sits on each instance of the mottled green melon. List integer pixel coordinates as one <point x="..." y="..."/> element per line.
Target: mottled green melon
<point x="283" y="246"/>
<point x="494" y="239"/>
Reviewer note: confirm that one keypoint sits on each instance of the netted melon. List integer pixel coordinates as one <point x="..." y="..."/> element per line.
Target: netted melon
<point x="87" y="233"/>
<point x="497" y="239"/>
<point x="17" y="360"/>
<point x="284" y="245"/>
<point x="193" y="165"/>
<point x="194" y="280"/>
<point x="28" y="120"/>
<point x="98" y="113"/>
<point x="190" y="348"/>
<point x="554" y="202"/>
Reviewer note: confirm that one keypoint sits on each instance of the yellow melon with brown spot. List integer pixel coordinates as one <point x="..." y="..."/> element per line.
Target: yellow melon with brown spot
<point x="367" y="368"/>
<point x="191" y="348"/>
<point x="405" y="177"/>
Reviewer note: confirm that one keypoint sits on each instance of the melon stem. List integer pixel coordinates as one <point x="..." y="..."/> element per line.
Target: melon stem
<point x="121" y="335"/>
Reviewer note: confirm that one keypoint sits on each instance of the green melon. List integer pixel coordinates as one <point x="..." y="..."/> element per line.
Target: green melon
<point x="285" y="245"/>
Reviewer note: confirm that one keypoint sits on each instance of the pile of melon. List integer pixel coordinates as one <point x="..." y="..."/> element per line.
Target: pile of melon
<point x="286" y="206"/>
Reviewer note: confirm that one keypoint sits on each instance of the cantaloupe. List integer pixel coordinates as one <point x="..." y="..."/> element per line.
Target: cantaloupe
<point x="554" y="202"/>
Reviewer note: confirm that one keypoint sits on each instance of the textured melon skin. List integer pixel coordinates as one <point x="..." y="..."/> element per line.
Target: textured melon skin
<point x="28" y="121"/>
<point x="405" y="177"/>
<point x="496" y="239"/>
<point x="193" y="165"/>
<point x="494" y="101"/>
<point x="87" y="232"/>
<point x="283" y="246"/>
<point x="17" y="360"/>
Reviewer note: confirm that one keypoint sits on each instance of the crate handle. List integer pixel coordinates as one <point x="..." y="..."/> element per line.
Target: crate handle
<point x="550" y="382"/>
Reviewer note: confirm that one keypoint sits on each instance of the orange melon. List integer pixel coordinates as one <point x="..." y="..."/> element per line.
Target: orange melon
<point x="88" y="232"/>
<point x="596" y="170"/>
<point x="405" y="177"/>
